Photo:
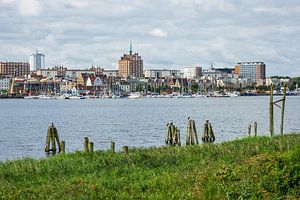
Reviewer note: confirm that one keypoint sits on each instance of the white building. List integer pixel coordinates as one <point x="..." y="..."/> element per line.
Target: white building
<point x="37" y="61"/>
<point x="4" y="83"/>
<point x="278" y="81"/>
<point x="111" y="72"/>
<point x="76" y="73"/>
<point x="161" y="73"/>
<point x="191" y="72"/>
<point x="48" y="73"/>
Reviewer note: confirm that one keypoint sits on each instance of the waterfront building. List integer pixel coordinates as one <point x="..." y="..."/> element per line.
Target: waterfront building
<point x="111" y="72"/>
<point x="20" y="69"/>
<point x="161" y="73"/>
<point x="253" y="71"/>
<point x="76" y="73"/>
<point x="60" y="70"/>
<point x="191" y="72"/>
<point x="37" y="61"/>
<point x="279" y="81"/>
<point x="211" y="73"/>
<point x="124" y="86"/>
<point x="98" y="70"/>
<point x="131" y="65"/>
<point x="4" y="83"/>
<point x="225" y="70"/>
<point x="47" y="73"/>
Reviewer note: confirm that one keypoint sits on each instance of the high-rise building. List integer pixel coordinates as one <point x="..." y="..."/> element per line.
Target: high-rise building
<point x="21" y="69"/>
<point x="37" y="61"/>
<point x="131" y="65"/>
<point x="251" y="70"/>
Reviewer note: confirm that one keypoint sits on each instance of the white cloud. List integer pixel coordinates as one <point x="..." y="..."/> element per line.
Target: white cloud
<point x="158" y="33"/>
<point x="29" y="7"/>
<point x="81" y="33"/>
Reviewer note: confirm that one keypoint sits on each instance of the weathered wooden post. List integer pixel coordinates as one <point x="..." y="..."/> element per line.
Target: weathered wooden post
<point x="91" y="147"/>
<point x="191" y="133"/>
<point x="52" y="136"/>
<point x="195" y="132"/>
<point x="208" y="133"/>
<point x="112" y="146"/>
<point x="86" y="144"/>
<point x="211" y="133"/>
<point x="282" y="109"/>
<point x="177" y="137"/>
<point x="205" y="132"/>
<point x="271" y="111"/>
<point x="62" y="147"/>
<point x="172" y="135"/>
<point x="48" y="137"/>
<point x="255" y="129"/>
<point x="56" y="138"/>
<point x="249" y="130"/>
<point x="188" y="133"/>
<point x="168" y="139"/>
<point x="125" y="149"/>
<point x="53" y="140"/>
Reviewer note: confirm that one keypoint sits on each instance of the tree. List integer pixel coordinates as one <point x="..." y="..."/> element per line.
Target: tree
<point x="149" y="88"/>
<point x="194" y="87"/>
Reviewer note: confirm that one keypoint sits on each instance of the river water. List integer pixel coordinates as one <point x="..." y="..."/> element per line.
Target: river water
<point x="132" y="122"/>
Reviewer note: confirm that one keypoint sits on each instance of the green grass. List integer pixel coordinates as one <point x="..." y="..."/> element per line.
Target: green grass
<point x="250" y="168"/>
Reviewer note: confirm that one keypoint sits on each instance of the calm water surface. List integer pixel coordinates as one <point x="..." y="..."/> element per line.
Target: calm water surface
<point x="132" y="122"/>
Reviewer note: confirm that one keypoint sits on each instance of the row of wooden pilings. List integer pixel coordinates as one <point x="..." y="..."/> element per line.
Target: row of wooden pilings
<point x="172" y="138"/>
<point x="254" y="128"/>
<point x="173" y="134"/>
<point x="52" y="140"/>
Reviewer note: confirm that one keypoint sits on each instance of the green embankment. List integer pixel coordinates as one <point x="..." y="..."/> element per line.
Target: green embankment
<point x="251" y="168"/>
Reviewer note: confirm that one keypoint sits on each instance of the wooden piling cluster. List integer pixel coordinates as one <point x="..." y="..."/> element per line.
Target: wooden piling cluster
<point x="88" y="147"/>
<point x="191" y="133"/>
<point x="254" y="129"/>
<point x="172" y="135"/>
<point x="52" y="136"/>
<point x="208" y="133"/>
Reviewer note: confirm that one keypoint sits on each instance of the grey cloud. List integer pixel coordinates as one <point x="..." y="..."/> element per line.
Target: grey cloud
<point x="188" y="32"/>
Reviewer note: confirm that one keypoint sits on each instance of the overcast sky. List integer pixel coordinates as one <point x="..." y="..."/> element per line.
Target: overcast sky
<point x="167" y="34"/>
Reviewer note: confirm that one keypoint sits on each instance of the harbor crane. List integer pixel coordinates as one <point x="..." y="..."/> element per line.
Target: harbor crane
<point x="12" y="83"/>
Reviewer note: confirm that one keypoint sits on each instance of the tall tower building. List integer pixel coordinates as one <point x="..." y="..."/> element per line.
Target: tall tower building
<point x="254" y="71"/>
<point x="131" y="65"/>
<point x="37" y="61"/>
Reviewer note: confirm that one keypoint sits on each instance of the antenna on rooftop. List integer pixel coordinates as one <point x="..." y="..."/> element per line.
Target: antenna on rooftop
<point x="130" y="48"/>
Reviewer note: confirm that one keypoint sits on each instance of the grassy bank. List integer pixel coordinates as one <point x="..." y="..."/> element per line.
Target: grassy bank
<point x="248" y="168"/>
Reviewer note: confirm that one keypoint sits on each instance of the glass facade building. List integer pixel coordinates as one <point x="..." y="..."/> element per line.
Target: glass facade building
<point x="253" y="71"/>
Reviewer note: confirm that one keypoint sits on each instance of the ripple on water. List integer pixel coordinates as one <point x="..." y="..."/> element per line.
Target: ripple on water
<point x="133" y="123"/>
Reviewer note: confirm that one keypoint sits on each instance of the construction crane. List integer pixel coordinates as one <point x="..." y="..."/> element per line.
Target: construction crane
<point x="11" y="88"/>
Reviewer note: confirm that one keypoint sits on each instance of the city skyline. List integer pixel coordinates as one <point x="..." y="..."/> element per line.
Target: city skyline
<point x="170" y="34"/>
